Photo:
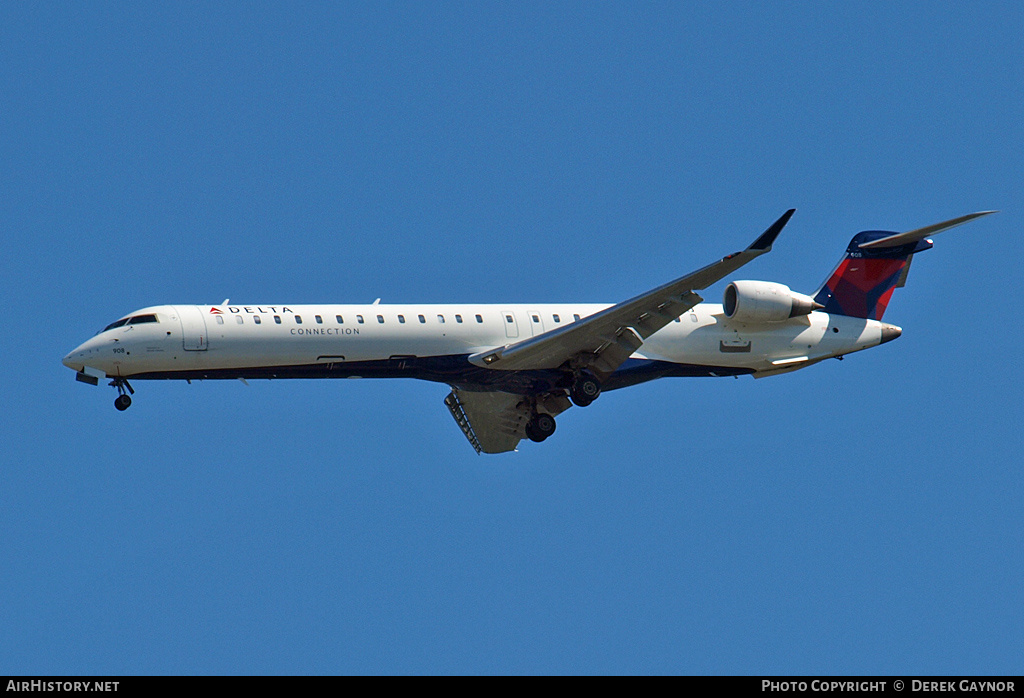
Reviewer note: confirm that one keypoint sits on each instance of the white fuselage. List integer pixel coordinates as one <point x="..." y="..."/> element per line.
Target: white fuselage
<point x="513" y="368"/>
<point x="254" y="341"/>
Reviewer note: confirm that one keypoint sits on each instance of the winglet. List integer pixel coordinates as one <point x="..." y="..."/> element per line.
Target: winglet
<point x="764" y="243"/>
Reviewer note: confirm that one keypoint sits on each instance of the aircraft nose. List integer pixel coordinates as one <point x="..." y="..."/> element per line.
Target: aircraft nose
<point x="75" y="358"/>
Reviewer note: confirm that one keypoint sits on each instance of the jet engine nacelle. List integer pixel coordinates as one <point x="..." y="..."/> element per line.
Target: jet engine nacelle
<point x="765" y="301"/>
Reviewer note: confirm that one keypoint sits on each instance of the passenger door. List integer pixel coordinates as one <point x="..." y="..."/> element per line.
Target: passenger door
<point x="508" y="319"/>
<point x="194" y="336"/>
<point x="536" y="321"/>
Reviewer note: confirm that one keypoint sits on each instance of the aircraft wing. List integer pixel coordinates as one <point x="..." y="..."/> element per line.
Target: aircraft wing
<point x="605" y="339"/>
<point x="494" y="422"/>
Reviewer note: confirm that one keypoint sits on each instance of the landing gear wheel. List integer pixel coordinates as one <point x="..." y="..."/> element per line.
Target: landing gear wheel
<point x="540" y="427"/>
<point x="585" y="389"/>
<point x="122" y="402"/>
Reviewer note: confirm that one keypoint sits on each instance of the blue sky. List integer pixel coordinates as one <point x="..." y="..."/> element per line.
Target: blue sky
<point x="861" y="516"/>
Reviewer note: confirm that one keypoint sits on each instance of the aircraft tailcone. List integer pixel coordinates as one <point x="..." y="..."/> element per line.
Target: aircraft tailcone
<point x="889" y="333"/>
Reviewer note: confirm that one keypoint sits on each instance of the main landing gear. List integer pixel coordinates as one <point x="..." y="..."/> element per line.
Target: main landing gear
<point x="540" y="427"/>
<point x="585" y="389"/>
<point x="123" y="400"/>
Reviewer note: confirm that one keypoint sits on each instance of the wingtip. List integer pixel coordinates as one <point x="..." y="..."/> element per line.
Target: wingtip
<point x="976" y="214"/>
<point x="764" y="243"/>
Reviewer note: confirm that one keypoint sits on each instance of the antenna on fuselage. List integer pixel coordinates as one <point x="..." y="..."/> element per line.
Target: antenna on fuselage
<point x="225" y="301"/>
<point x="376" y="302"/>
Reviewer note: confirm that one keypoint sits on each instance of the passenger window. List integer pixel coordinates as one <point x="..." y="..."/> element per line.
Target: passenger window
<point x="508" y="319"/>
<point x="458" y="318"/>
<point x="298" y="319"/>
<point x="338" y="318"/>
<point x="359" y="319"/>
<point x="319" y="320"/>
<point x="220" y="319"/>
<point x="678" y="319"/>
<point x="556" y="318"/>
<point x="238" y="319"/>
<point x="440" y="318"/>
<point x="479" y="318"/>
<point x="380" y="319"/>
<point x="693" y="317"/>
<point x="576" y="317"/>
<point x="536" y="318"/>
<point x="277" y="319"/>
<point x="401" y="319"/>
<point x="422" y="319"/>
<point x="256" y="319"/>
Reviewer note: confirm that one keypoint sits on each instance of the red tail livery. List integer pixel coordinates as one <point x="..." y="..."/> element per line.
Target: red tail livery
<point x="876" y="263"/>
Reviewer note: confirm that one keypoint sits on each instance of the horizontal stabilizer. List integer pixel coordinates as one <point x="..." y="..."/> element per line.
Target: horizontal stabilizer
<point x="901" y="239"/>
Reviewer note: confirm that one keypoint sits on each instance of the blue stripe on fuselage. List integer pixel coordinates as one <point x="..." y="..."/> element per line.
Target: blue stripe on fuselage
<point x="454" y="370"/>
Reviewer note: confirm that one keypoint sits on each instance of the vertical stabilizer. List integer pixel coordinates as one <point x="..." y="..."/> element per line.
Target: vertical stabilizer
<point x="876" y="264"/>
<point x="862" y="284"/>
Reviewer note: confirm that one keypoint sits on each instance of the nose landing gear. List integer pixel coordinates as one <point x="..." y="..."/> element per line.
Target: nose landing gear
<point x="123" y="400"/>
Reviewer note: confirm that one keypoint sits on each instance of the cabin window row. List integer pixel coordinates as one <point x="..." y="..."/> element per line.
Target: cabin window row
<point x="362" y="320"/>
<point x="536" y="318"/>
<point x="338" y="318"/>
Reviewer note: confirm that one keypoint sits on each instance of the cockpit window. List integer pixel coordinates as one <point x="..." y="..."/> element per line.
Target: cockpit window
<point x="112" y="325"/>
<point x="136" y="320"/>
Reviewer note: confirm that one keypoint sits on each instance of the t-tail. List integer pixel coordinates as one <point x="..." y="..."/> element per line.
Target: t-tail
<point x="876" y="264"/>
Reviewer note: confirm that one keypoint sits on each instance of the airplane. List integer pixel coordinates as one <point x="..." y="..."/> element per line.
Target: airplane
<point x="513" y="368"/>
